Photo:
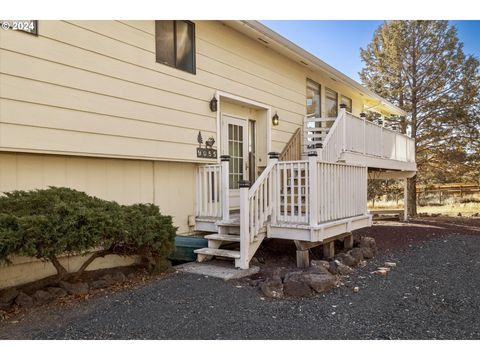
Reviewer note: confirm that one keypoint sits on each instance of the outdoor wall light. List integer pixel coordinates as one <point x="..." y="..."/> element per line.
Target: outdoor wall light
<point x="213" y="104"/>
<point x="275" y="121"/>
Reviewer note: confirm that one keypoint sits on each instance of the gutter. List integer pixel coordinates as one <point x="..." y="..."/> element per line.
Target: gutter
<point x="305" y="55"/>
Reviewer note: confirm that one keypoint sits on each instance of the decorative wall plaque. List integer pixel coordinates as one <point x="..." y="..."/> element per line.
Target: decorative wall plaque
<point x="207" y="152"/>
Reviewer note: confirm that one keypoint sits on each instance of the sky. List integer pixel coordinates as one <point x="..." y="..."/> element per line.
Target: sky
<point x="338" y="42"/>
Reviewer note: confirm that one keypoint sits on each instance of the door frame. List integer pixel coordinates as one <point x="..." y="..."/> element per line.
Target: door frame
<point x="234" y="194"/>
<point x="255" y="104"/>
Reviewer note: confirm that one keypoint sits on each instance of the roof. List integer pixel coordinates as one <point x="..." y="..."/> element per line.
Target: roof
<point x="280" y="44"/>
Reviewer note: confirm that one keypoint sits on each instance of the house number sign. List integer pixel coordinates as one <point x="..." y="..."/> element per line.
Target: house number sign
<point x="207" y="152"/>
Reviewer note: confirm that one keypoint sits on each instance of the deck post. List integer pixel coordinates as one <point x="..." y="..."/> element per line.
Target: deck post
<point x="224" y="192"/>
<point x="405" y="200"/>
<point x="313" y="182"/>
<point x="348" y="242"/>
<point x="273" y="158"/>
<point x="303" y="259"/>
<point x="343" y="111"/>
<point x="244" y="186"/>
<point x="329" y="250"/>
<point x="363" y="116"/>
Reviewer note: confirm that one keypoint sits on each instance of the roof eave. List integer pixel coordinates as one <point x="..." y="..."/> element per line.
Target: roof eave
<point x="321" y="65"/>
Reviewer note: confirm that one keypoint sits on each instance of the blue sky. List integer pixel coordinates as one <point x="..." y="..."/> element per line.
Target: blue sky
<point x="338" y="42"/>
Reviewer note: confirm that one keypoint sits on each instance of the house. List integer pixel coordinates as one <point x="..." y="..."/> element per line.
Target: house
<point x="226" y="125"/>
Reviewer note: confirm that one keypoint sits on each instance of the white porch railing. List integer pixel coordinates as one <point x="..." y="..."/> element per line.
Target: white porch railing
<point x="208" y="191"/>
<point x="357" y="135"/>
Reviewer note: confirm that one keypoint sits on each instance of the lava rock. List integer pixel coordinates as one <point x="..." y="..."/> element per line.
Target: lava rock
<point x="75" y="289"/>
<point x="118" y="277"/>
<point x="343" y="269"/>
<point x="24" y="300"/>
<point x="356" y="253"/>
<point x="272" y="288"/>
<point x="57" y="292"/>
<point x="320" y="264"/>
<point x="100" y="283"/>
<point x="7" y="296"/>
<point x="42" y="296"/>
<point x="295" y="285"/>
<point x="320" y="282"/>
<point x="367" y="253"/>
<point x="347" y="259"/>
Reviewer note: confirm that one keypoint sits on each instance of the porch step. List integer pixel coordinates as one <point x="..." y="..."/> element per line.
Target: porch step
<point x="218" y="252"/>
<point x="223" y="237"/>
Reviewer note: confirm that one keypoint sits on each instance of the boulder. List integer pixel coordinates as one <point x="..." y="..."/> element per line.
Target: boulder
<point x="24" y="300"/>
<point x="367" y="242"/>
<point x="343" y="269"/>
<point x="7" y="296"/>
<point x="75" y="289"/>
<point x="57" y="292"/>
<point x="333" y="267"/>
<point x="272" y="288"/>
<point x="295" y="285"/>
<point x="367" y="253"/>
<point x="347" y="259"/>
<point x="5" y="306"/>
<point x="42" y="296"/>
<point x="118" y="277"/>
<point x="357" y="254"/>
<point x="100" y="283"/>
<point x="319" y="264"/>
<point x="320" y="282"/>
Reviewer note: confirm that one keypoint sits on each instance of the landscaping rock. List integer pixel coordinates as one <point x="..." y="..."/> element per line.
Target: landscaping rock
<point x="367" y="252"/>
<point x="75" y="289"/>
<point x="272" y="288"/>
<point x="24" y="300"/>
<point x="347" y="259"/>
<point x="320" y="282"/>
<point x="7" y="296"/>
<point x="356" y="289"/>
<point x="357" y="254"/>
<point x="320" y="264"/>
<point x="108" y="278"/>
<point x="343" y="269"/>
<point x="100" y="283"/>
<point x="382" y="272"/>
<point x="131" y="276"/>
<point x="367" y="242"/>
<point x="333" y="267"/>
<point x="57" y="292"/>
<point x="42" y="296"/>
<point x="295" y="285"/>
<point x="5" y="306"/>
<point x="118" y="277"/>
<point x="390" y="264"/>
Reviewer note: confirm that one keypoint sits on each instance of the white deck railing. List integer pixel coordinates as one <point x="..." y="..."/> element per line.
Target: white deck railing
<point x="208" y="191"/>
<point x="356" y="135"/>
<point x="292" y="192"/>
<point x="341" y="191"/>
<point x="365" y="137"/>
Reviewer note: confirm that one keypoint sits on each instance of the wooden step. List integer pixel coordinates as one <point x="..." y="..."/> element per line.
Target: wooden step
<point x="218" y="252"/>
<point x="223" y="237"/>
<point x="230" y="223"/>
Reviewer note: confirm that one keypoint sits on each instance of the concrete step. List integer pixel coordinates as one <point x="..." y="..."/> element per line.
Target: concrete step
<point x="218" y="252"/>
<point x="223" y="237"/>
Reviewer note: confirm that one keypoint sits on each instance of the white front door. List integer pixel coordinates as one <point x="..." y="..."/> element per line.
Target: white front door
<point x="235" y="144"/>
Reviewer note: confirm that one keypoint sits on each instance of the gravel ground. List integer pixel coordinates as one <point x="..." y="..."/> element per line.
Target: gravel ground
<point x="433" y="293"/>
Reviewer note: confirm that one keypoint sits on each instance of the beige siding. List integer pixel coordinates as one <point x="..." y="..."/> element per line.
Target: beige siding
<point x="169" y="185"/>
<point x="93" y="88"/>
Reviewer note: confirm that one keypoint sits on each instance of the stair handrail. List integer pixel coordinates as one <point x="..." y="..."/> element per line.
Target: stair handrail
<point x="332" y="149"/>
<point x="293" y="147"/>
<point x="256" y="207"/>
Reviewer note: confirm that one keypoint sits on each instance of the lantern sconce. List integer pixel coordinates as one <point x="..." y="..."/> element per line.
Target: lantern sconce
<point x="275" y="118"/>
<point x="213" y="104"/>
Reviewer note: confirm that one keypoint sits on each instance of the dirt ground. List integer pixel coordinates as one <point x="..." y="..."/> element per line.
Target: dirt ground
<point x="280" y="255"/>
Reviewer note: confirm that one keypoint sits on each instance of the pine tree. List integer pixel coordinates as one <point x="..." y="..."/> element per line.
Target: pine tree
<point x="421" y="67"/>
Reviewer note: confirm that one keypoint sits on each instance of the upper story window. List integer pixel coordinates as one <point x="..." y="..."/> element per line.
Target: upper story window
<point x="347" y="101"/>
<point x="175" y="44"/>
<point x="331" y="102"/>
<point x="313" y="99"/>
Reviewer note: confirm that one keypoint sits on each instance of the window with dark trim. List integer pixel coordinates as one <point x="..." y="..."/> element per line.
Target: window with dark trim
<point x="347" y="101"/>
<point x="331" y="102"/>
<point x="175" y="44"/>
<point x="313" y="99"/>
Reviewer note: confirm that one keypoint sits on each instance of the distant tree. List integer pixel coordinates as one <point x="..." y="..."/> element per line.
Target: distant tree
<point x="421" y="67"/>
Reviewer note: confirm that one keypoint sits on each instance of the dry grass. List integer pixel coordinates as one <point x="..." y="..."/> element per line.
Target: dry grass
<point x="467" y="206"/>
